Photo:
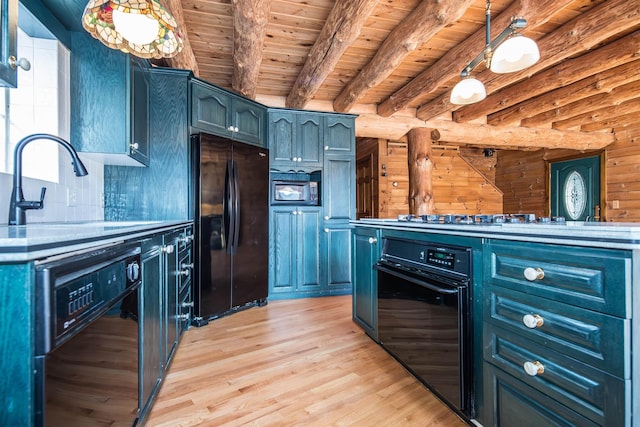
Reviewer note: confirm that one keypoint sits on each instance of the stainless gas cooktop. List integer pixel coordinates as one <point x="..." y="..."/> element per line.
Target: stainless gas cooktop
<point x="483" y="219"/>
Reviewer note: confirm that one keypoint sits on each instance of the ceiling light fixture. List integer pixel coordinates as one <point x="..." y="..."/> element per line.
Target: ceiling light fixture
<point x="141" y="27"/>
<point x="507" y="53"/>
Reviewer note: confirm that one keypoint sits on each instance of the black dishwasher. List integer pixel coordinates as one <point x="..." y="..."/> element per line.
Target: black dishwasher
<point x="87" y="338"/>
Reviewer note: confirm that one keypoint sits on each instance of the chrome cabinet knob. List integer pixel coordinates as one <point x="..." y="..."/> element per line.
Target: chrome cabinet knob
<point x="533" y="274"/>
<point x="326" y="148"/>
<point x="326" y="217"/>
<point x="168" y="249"/>
<point x="187" y="304"/>
<point x="22" y="63"/>
<point x="372" y="240"/>
<point x="134" y="146"/>
<point x="532" y="321"/>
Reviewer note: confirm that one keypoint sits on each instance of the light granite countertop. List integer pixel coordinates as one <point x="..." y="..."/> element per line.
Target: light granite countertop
<point x="40" y="240"/>
<point x="615" y="235"/>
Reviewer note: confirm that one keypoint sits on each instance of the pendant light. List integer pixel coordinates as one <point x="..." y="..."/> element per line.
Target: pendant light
<point x="140" y="27"/>
<point x="507" y="53"/>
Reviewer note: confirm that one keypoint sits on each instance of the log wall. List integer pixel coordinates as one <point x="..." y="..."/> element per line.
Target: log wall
<point x="460" y="184"/>
<point x="522" y="176"/>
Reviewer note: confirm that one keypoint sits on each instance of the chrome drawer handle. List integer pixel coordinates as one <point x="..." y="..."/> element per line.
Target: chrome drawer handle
<point x="372" y="240"/>
<point x="532" y="321"/>
<point x="534" y="368"/>
<point x="533" y="274"/>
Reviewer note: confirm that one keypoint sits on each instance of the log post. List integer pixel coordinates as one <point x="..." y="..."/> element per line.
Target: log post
<point x="420" y="172"/>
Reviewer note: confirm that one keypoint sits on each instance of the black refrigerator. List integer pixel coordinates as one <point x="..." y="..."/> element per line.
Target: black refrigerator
<point x="231" y="216"/>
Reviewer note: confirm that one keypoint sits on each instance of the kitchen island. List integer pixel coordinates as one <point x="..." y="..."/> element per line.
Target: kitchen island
<point x="158" y="255"/>
<point x="552" y="310"/>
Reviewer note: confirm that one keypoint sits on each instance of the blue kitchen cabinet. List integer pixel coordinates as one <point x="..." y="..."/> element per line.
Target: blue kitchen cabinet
<point x="8" y="43"/>
<point x="367" y="248"/>
<point x="339" y="189"/>
<point x="337" y="259"/>
<point x="294" y="252"/>
<point x="557" y="335"/>
<point x="219" y="112"/>
<point x="109" y="103"/>
<point x="163" y="266"/>
<point x="340" y="134"/>
<point x="161" y="190"/>
<point x="295" y="140"/>
<point x="17" y="345"/>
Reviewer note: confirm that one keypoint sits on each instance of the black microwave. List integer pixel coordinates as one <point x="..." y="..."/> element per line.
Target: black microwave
<point x="285" y="192"/>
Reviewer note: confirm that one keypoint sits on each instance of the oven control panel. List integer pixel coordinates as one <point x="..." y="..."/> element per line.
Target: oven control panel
<point x="425" y="256"/>
<point x="443" y="258"/>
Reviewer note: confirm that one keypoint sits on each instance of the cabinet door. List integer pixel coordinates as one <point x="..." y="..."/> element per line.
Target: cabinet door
<point x="282" y="252"/>
<point x="248" y="121"/>
<point x="281" y="138"/>
<point x="339" y="188"/>
<point x="150" y="322"/>
<point x="365" y="279"/>
<point x="337" y="259"/>
<point x="514" y="404"/>
<point x="8" y="41"/>
<point x="170" y="292"/>
<point x="309" y="275"/>
<point x="139" y="98"/>
<point x="339" y="135"/>
<point x="309" y="139"/>
<point x="210" y="109"/>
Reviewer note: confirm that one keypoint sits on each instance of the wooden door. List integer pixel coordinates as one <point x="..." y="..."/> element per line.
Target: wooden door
<point x="365" y="175"/>
<point x="575" y="189"/>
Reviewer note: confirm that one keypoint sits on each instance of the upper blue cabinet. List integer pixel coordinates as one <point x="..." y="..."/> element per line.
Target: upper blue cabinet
<point x="109" y="103"/>
<point x="8" y="40"/>
<point x="218" y="112"/>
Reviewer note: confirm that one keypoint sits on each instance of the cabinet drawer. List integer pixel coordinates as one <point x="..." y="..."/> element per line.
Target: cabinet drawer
<point x="594" y="338"/>
<point x="512" y="403"/>
<point x="591" y="392"/>
<point x="596" y="279"/>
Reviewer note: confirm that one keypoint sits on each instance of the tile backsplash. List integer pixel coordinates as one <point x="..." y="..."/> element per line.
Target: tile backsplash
<point x="59" y="205"/>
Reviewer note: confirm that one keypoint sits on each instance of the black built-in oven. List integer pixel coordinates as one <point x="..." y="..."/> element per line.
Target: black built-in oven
<point x="87" y="338"/>
<point x="424" y="315"/>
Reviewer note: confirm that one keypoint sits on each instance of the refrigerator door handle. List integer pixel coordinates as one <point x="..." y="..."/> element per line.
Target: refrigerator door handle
<point x="236" y="207"/>
<point x="229" y="220"/>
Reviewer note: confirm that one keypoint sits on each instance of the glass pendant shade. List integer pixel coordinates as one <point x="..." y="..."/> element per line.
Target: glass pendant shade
<point x="468" y="91"/>
<point x="514" y="54"/>
<point x="141" y="27"/>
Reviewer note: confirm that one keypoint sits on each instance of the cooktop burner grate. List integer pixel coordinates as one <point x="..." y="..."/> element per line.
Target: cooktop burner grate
<point x="483" y="219"/>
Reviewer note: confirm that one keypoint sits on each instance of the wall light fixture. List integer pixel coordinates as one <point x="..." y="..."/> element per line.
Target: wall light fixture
<point x="508" y="52"/>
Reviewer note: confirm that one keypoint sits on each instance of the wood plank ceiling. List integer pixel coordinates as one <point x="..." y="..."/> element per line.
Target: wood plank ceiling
<point x="394" y="62"/>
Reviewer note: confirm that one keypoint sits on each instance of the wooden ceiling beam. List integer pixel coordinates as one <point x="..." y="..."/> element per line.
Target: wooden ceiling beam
<point x="596" y="115"/>
<point x="185" y="60"/>
<point x="422" y="24"/>
<point x="584" y="106"/>
<point x="537" y="12"/>
<point x="250" y="19"/>
<point x="600" y="23"/>
<point x="396" y="127"/>
<point x="605" y="81"/>
<point x="342" y="28"/>
<point x="616" y="123"/>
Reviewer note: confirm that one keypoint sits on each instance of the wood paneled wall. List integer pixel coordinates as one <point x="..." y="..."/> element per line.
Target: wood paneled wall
<point x="522" y="176"/>
<point x="463" y="179"/>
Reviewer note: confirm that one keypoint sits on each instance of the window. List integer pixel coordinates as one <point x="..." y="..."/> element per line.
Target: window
<point x="40" y="104"/>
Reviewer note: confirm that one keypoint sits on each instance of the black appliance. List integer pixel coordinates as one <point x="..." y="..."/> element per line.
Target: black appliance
<point x="424" y="315"/>
<point x="87" y="338"/>
<point x="294" y="192"/>
<point x="231" y="215"/>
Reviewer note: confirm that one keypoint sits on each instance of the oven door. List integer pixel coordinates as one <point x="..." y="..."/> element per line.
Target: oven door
<point x="92" y="379"/>
<point x="423" y="324"/>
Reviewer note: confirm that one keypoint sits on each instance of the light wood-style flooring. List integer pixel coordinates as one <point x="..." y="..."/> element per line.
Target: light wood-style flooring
<point x="296" y="362"/>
